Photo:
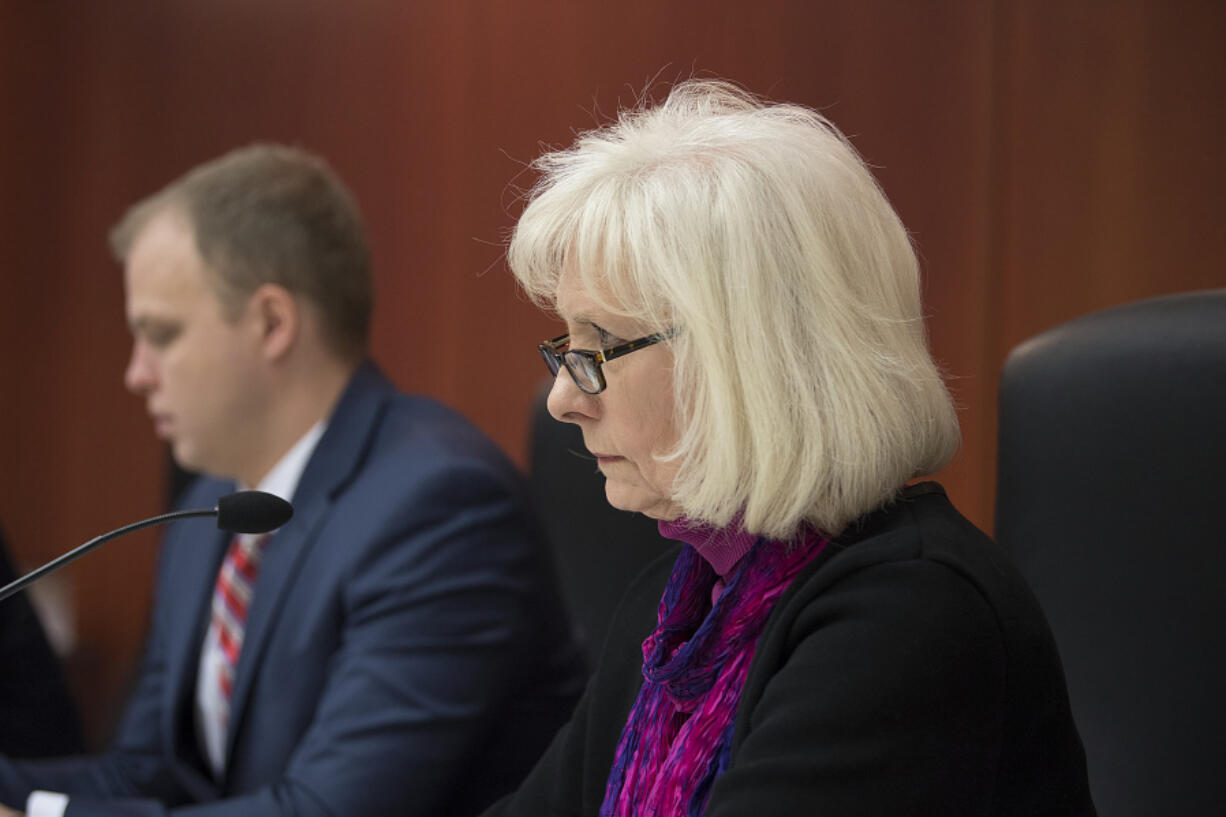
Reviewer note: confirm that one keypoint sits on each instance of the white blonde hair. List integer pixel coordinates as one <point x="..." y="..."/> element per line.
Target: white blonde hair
<point x="804" y="389"/>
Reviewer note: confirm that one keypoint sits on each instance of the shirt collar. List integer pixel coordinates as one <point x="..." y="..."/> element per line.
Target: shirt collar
<point x="284" y="477"/>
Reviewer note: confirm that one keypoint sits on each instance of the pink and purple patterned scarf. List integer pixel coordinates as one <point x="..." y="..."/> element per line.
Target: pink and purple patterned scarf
<point x="678" y="736"/>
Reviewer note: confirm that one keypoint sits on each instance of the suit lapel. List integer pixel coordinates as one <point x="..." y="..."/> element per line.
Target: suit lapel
<point x="283" y="555"/>
<point x="193" y="579"/>
<point x="336" y="459"/>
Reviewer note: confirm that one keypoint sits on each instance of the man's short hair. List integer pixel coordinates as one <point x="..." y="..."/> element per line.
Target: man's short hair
<point x="273" y="214"/>
<point x="803" y="385"/>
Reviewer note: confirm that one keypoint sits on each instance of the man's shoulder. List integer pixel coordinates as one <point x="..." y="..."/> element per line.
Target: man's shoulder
<point x="414" y="457"/>
<point x="403" y="420"/>
<point x="432" y="434"/>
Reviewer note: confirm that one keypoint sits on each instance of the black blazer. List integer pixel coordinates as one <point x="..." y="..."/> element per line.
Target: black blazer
<point x="907" y="671"/>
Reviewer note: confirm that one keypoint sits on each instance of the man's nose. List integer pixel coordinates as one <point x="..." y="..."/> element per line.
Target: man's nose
<point x="139" y="376"/>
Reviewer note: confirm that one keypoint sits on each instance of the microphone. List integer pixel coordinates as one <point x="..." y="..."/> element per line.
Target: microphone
<point x="248" y="512"/>
<point x="243" y="512"/>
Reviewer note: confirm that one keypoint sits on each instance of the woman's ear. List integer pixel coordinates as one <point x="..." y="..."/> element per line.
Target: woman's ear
<point x="277" y="318"/>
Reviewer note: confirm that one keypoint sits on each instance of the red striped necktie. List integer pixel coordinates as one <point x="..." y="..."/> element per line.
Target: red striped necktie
<point x="231" y="601"/>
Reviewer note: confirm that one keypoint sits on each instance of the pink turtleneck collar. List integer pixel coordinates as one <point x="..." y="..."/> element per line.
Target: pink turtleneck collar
<point x="721" y="547"/>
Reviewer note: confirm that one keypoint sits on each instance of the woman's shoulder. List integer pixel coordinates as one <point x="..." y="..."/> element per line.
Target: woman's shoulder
<point x="916" y="579"/>
<point x="912" y="573"/>
<point x="919" y="529"/>
<point x="913" y="626"/>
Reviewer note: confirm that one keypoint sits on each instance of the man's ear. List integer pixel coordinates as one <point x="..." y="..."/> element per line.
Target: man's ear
<point x="278" y="319"/>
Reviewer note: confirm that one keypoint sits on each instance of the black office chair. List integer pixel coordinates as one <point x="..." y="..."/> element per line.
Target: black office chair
<point x="1112" y="487"/>
<point x="598" y="550"/>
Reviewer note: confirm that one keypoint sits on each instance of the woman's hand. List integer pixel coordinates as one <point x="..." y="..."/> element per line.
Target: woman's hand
<point x="5" y="811"/>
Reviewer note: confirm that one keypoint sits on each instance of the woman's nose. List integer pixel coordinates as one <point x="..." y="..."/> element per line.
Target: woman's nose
<point x="568" y="403"/>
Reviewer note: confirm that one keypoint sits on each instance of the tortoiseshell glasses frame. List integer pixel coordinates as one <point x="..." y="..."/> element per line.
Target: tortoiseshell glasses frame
<point x="584" y="364"/>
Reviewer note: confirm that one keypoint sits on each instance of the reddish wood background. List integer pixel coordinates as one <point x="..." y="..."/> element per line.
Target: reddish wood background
<point x="1050" y="158"/>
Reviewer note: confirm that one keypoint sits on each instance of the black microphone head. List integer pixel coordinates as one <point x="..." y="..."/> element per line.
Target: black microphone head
<point x="252" y="512"/>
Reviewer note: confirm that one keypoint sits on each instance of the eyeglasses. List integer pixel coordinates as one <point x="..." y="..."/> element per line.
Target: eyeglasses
<point x="584" y="365"/>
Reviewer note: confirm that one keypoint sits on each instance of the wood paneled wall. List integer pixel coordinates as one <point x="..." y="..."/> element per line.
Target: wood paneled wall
<point x="1050" y="158"/>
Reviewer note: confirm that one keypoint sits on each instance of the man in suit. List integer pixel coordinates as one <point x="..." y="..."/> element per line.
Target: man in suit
<point x="397" y="647"/>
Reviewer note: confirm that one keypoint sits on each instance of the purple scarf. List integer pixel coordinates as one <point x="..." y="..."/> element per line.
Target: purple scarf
<point x="678" y="736"/>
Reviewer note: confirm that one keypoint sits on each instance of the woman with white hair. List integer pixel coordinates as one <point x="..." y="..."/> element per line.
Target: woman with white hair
<point x="746" y="357"/>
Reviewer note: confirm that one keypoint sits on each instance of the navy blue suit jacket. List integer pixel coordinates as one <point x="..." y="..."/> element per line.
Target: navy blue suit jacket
<point x="404" y="652"/>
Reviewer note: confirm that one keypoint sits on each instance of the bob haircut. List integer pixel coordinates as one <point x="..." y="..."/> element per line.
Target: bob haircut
<point x="804" y="389"/>
<point x="273" y="214"/>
